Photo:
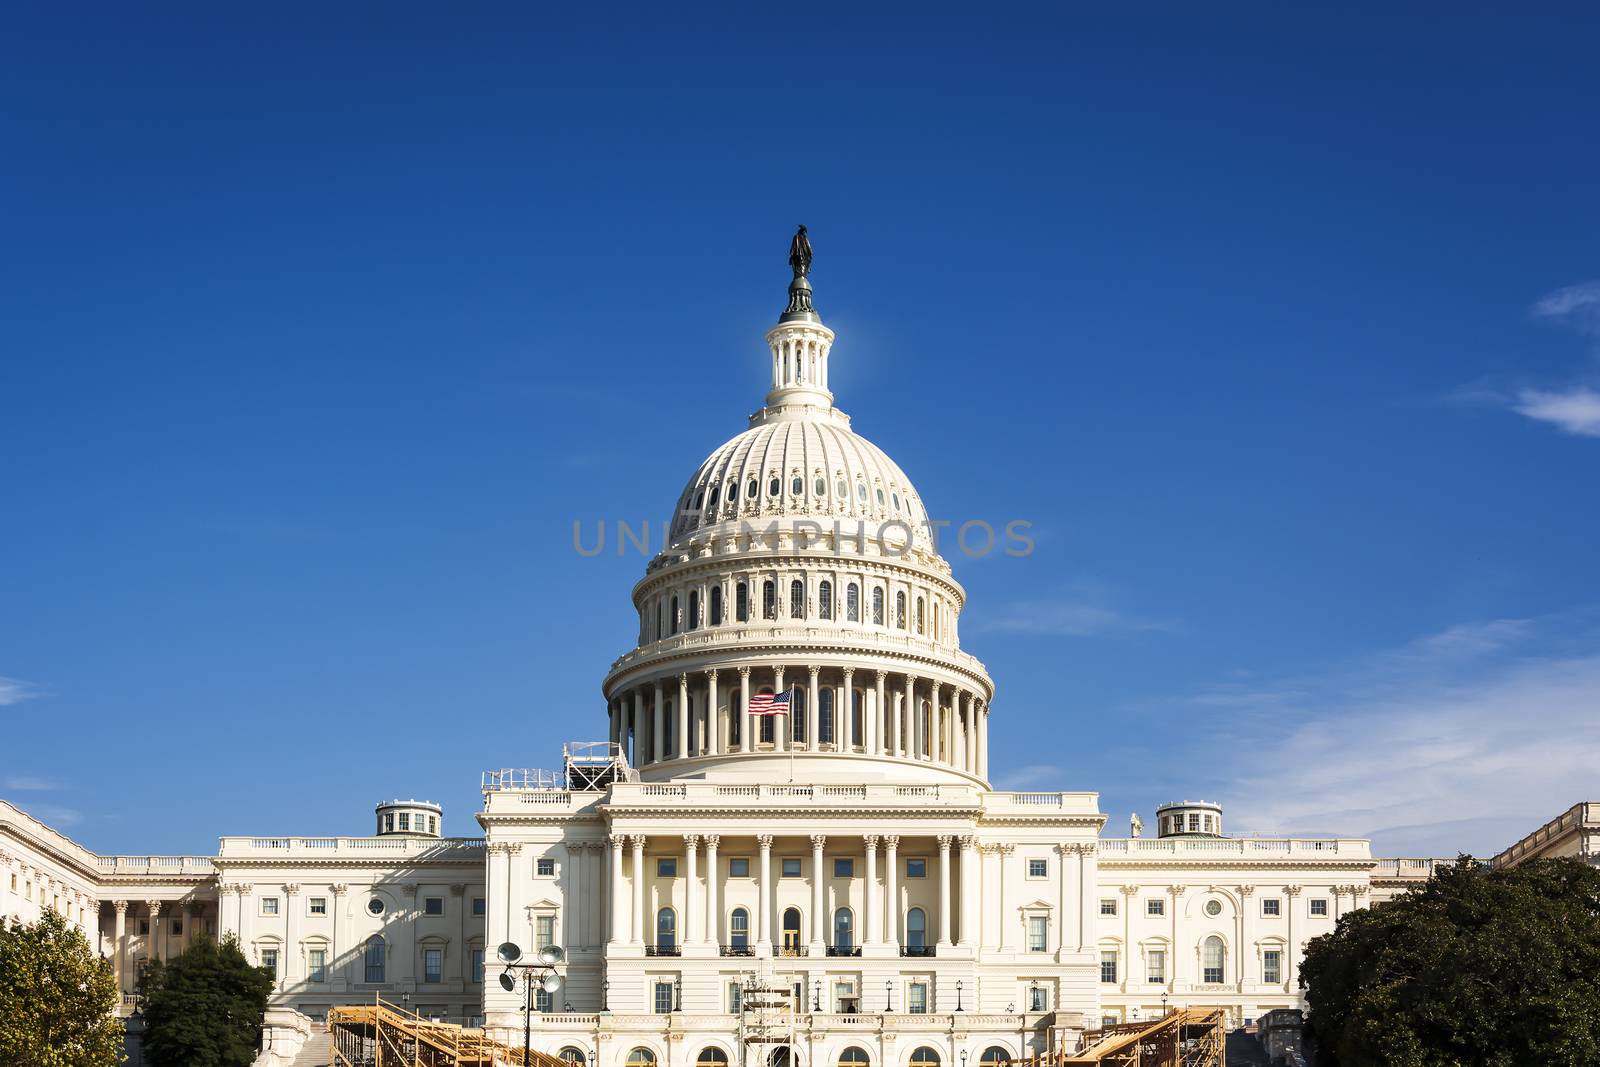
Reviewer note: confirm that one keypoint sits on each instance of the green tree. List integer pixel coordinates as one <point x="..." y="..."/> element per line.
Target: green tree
<point x="58" y="999"/>
<point x="204" y="1007"/>
<point x="1480" y="967"/>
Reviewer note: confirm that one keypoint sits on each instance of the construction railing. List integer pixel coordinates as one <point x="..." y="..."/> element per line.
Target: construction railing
<point x="381" y="1034"/>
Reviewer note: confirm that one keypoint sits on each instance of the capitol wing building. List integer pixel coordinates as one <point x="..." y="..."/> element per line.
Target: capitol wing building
<point x="837" y="883"/>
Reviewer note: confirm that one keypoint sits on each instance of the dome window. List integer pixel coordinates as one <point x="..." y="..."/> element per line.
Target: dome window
<point x="852" y="602"/>
<point x="752" y="490"/>
<point x="880" y="497"/>
<point x="741" y="602"/>
<point x="714" y="490"/>
<point x="797" y="486"/>
<point x="877" y="606"/>
<point x="716" y="605"/>
<point x="841" y="489"/>
<point x="897" y="501"/>
<point x="861" y="491"/>
<point x="769" y="599"/>
<point x="797" y="599"/>
<point x="899" y="609"/>
<point x="774" y="487"/>
<point x="825" y="600"/>
<point x="700" y="500"/>
<point x="672" y="616"/>
<point x="819" y="487"/>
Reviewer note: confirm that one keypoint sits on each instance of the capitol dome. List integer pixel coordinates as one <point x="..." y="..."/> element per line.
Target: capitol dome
<point x="800" y="571"/>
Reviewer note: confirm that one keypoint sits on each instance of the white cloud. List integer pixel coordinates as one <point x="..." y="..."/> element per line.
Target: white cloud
<point x="15" y="691"/>
<point x="1440" y="745"/>
<point x="1576" y="411"/>
<point x="23" y="783"/>
<point x="1576" y="305"/>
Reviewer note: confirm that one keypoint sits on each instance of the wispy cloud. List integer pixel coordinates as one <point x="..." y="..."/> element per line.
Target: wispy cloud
<point x="23" y="783"/>
<point x="1575" y="411"/>
<point x="55" y="816"/>
<point x="1452" y="741"/>
<point x="1577" y="306"/>
<point x="15" y="691"/>
<point x="1082" y="610"/>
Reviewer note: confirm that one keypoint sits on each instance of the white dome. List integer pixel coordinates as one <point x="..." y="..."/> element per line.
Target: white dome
<point x="820" y="470"/>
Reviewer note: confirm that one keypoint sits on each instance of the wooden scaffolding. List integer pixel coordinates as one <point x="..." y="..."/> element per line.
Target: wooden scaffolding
<point x="381" y="1034"/>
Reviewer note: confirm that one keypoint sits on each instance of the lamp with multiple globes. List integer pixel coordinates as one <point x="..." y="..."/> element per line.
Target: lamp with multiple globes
<point x="540" y="973"/>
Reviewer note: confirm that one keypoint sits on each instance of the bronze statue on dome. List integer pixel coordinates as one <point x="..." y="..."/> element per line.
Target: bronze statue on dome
<point x="800" y="253"/>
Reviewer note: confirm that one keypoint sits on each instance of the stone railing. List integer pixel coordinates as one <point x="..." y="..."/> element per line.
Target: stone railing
<point x="713" y="793"/>
<point x="1575" y="820"/>
<point x="1354" y="848"/>
<point x="1418" y="868"/>
<point x="796" y="632"/>
<point x="155" y="866"/>
<point x="238" y="847"/>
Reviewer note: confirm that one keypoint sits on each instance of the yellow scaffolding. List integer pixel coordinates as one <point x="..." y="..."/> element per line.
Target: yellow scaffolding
<point x="1187" y="1037"/>
<point x="383" y="1035"/>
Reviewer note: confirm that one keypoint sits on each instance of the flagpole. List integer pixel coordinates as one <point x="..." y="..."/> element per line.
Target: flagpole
<point x="790" y="717"/>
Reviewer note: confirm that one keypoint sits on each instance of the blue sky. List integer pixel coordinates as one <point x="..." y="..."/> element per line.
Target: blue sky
<point x="320" y="325"/>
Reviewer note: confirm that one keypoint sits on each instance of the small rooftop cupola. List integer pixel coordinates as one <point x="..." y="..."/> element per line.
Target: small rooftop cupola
<point x="1189" y="818"/>
<point x="800" y="343"/>
<point x="410" y="818"/>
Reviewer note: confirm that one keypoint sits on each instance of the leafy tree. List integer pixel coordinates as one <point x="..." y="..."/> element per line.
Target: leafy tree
<point x="1492" y="968"/>
<point x="58" y="999"/>
<point x="204" y="1007"/>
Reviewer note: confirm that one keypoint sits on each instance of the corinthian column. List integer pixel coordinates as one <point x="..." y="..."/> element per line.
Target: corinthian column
<point x="685" y="749"/>
<point x="944" y="890"/>
<point x="819" y="926"/>
<point x="747" y="741"/>
<point x="891" y="895"/>
<point x="713" y="716"/>
<point x="691" y="889"/>
<point x="619" y="896"/>
<point x="639" y="890"/>
<point x="763" y="925"/>
<point x="713" y="909"/>
<point x="870" y="904"/>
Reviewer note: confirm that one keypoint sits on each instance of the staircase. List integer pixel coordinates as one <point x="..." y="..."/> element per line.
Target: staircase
<point x="314" y="1053"/>
<point x="1243" y="1051"/>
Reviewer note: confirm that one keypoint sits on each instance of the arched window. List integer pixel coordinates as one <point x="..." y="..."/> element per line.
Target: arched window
<point x="925" y="1056"/>
<point x="921" y="615"/>
<point x="739" y="929"/>
<point x="769" y="733"/>
<point x="672" y="616"/>
<point x="844" y="929"/>
<point x="666" y="929"/>
<point x="791" y="931"/>
<point x="900" y="610"/>
<point x="916" y="928"/>
<point x="573" y="1056"/>
<point x="854" y="1056"/>
<point x="741" y="602"/>
<point x="716" y="605"/>
<point x="694" y="609"/>
<point x="642" y="1057"/>
<point x="852" y="602"/>
<point x="711" y="1056"/>
<point x="994" y="1056"/>
<point x="769" y="599"/>
<point x="861" y="492"/>
<point x="825" y="716"/>
<point x="699" y="500"/>
<point x="374" y="954"/>
<point x="715" y="490"/>
<point x="825" y="599"/>
<point x="877" y="606"/>
<point x="880" y="496"/>
<point x="797" y="599"/>
<point x="1212" y="954"/>
<point x="661" y="622"/>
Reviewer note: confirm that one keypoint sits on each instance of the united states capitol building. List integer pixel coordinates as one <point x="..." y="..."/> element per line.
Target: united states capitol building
<point x="849" y="861"/>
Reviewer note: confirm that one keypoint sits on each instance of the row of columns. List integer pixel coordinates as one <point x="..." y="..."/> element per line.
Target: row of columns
<point x="881" y="912"/>
<point x="155" y="942"/>
<point x="892" y="719"/>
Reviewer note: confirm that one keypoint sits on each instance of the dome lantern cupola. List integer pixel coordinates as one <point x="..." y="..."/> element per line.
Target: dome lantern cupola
<point x="410" y="818"/>
<point x="800" y="343"/>
<point x="1189" y="818"/>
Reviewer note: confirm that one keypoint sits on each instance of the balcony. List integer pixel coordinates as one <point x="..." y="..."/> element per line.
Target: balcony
<point x="844" y="950"/>
<point x="793" y="951"/>
<point x="919" y="952"/>
<point x="738" y="950"/>
<point x="663" y="950"/>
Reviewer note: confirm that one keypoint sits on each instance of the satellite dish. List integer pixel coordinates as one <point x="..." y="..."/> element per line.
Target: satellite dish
<point x="551" y="955"/>
<point x="508" y="983"/>
<point x="550" y="983"/>
<point x="508" y="952"/>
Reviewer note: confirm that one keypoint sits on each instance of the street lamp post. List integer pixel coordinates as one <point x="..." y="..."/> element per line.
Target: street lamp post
<point x="958" y="1008"/>
<point x="546" y="977"/>
<point x="888" y="997"/>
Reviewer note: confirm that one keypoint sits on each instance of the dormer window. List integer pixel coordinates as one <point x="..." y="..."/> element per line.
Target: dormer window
<point x="774" y="487"/>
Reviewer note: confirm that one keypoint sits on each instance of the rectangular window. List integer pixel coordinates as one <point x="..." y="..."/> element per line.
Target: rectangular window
<point x="844" y="868"/>
<point x="1272" y="966"/>
<point x="477" y="965"/>
<point x="318" y="905"/>
<point x="1038" y="999"/>
<point x="1038" y="869"/>
<point x="544" y="931"/>
<point x="1319" y="906"/>
<point x="269" y="961"/>
<point x="269" y="905"/>
<point x="844" y="998"/>
<point x="1155" y="966"/>
<point x="663" y="998"/>
<point x="317" y="964"/>
<point x="433" y="965"/>
<point x="667" y="867"/>
<point x="1108" y="906"/>
<point x="1108" y="966"/>
<point x="1194" y="824"/>
<point x="918" y="998"/>
<point x="1271" y="906"/>
<point x="1155" y="906"/>
<point x="177" y="924"/>
<point x="544" y="867"/>
<point x="405" y="821"/>
<point x="791" y="868"/>
<point x="735" y="998"/>
<point x="1036" y="933"/>
<point x="739" y="867"/>
<point x="543" y="1001"/>
<point x="916" y="868"/>
<point x="478" y="906"/>
<point x="433" y="905"/>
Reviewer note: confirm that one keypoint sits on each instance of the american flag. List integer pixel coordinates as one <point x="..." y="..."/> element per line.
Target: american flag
<point x="770" y="703"/>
